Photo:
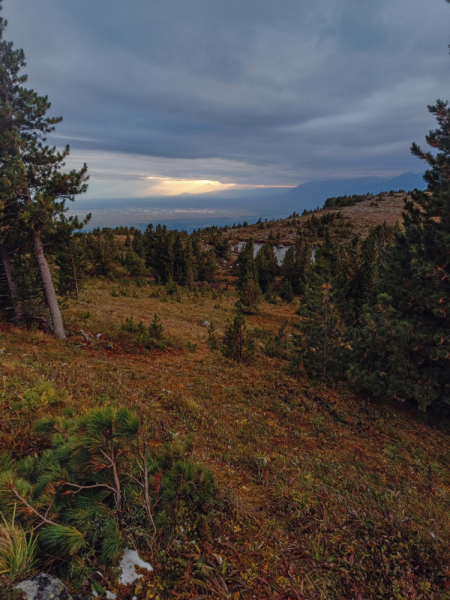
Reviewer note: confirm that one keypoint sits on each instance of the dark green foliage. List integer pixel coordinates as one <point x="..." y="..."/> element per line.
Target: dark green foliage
<point x="207" y="267"/>
<point x="358" y="271"/>
<point x="169" y="254"/>
<point x="102" y="251"/>
<point x="133" y="263"/>
<point x="221" y="247"/>
<point x="96" y="473"/>
<point x="246" y="262"/>
<point x="342" y="201"/>
<point x="212" y="337"/>
<point x="278" y="346"/>
<point x="319" y="345"/>
<point x="295" y="264"/>
<point x="267" y="266"/>
<point x="236" y="344"/>
<point x="156" y="330"/>
<point x="138" y="244"/>
<point x="129" y="326"/>
<point x="403" y="348"/>
<point x="33" y="190"/>
<point x="382" y="354"/>
<point x="382" y="303"/>
<point x="151" y="336"/>
<point x="316" y="225"/>
<point x="286" y="292"/>
<point x="250" y="292"/>
<point x="248" y="278"/>
<point x="171" y="287"/>
<point x="176" y="255"/>
<point x="72" y="263"/>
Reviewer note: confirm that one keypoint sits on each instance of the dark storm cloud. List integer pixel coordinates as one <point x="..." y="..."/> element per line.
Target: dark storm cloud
<point x="290" y="90"/>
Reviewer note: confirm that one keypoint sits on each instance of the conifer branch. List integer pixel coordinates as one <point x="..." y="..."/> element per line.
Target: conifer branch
<point x="88" y="487"/>
<point x="33" y="510"/>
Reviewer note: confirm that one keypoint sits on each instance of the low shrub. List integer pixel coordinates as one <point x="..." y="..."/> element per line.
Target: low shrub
<point x="96" y="487"/>
<point x="152" y="336"/>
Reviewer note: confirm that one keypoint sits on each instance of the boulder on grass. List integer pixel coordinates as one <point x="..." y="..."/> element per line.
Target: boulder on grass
<point x="44" y="587"/>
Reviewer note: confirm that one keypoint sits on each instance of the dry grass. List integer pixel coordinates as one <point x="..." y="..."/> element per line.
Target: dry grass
<point x="325" y="494"/>
<point x="17" y="552"/>
<point x="375" y="210"/>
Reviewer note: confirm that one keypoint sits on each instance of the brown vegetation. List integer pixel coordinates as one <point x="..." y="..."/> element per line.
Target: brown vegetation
<point x="324" y="493"/>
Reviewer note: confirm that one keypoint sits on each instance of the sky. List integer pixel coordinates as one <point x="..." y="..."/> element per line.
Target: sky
<point x="162" y="98"/>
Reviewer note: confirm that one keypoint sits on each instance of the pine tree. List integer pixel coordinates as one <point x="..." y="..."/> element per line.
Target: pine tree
<point x="358" y="271"/>
<point x="295" y="265"/>
<point x="248" y="280"/>
<point x="33" y="189"/>
<point x="133" y="263"/>
<point x="70" y="257"/>
<point x="267" y="266"/>
<point x="156" y="330"/>
<point x="102" y="252"/>
<point x="319" y="345"/>
<point x="95" y="478"/>
<point x="212" y="337"/>
<point x="286" y="292"/>
<point x="208" y="268"/>
<point x="246" y="262"/>
<point x="236" y="344"/>
<point x="404" y="344"/>
<point x="138" y="244"/>
<point x="250" y="292"/>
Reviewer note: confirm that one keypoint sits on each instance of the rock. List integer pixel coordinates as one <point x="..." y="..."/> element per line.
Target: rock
<point x="128" y="564"/>
<point x="44" y="587"/>
<point x="205" y="323"/>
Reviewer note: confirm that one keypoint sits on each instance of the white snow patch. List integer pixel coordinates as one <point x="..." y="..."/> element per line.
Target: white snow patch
<point x="128" y="564"/>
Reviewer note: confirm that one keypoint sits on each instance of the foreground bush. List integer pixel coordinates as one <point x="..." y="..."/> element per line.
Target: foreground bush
<point x="97" y="487"/>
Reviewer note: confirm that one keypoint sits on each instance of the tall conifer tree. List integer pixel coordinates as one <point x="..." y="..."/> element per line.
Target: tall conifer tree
<point x="33" y="190"/>
<point x="403" y="347"/>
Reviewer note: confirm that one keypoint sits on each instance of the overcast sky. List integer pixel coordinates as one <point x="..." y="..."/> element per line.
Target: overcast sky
<point x="167" y="96"/>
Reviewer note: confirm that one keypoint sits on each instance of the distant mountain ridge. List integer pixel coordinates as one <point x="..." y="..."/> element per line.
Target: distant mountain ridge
<point x="224" y="208"/>
<point x="314" y="193"/>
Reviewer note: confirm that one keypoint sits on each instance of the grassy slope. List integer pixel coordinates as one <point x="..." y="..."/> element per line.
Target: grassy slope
<point x="373" y="211"/>
<point x="326" y="494"/>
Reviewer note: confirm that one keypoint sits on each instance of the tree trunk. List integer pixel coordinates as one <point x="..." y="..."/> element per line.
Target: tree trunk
<point x="49" y="288"/>
<point x="12" y="285"/>
<point x="74" y="271"/>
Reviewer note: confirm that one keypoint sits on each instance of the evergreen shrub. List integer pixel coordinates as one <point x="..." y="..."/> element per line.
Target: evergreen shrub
<point x="97" y="488"/>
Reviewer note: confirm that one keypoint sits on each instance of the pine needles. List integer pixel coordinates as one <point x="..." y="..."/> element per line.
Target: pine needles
<point x="80" y="493"/>
<point x="17" y="551"/>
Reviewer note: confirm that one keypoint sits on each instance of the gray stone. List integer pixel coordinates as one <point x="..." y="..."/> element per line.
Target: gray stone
<point x="44" y="587"/>
<point x="205" y="323"/>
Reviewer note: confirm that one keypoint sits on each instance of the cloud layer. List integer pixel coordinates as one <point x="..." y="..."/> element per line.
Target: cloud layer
<point x="244" y="91"/>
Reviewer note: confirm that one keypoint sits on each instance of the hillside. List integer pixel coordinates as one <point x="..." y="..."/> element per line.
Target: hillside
<point x="372" y="210"/>
<point x="321" y="492"/>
